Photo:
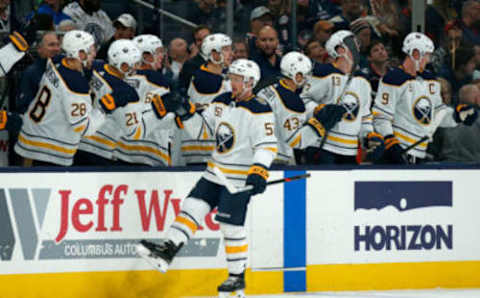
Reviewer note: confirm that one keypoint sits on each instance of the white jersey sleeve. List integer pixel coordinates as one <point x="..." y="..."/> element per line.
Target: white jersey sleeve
<point x="9" y="55"/>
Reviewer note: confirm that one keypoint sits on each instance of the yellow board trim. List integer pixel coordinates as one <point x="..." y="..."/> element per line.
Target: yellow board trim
<point x="127" y="284"/>
<point x="388" y="276"/>
<point x="46" y="146"/>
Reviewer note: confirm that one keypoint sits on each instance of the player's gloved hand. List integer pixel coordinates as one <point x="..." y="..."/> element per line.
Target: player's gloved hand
<point x="466" y="114"/>
<point x="175" y="103"/>
<point x="393" y="151"/>
<point x="111" y="101"/>
<point x="375" y="146"/>
<point x="329" y="115"/>
<point x="18" y="41"/>
<point x="257" y="177"/>
<point x="10" y="121"/>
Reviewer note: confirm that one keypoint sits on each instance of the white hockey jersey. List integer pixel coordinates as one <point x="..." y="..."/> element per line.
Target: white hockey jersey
<point x="152" y="147"/>
<point x="326" y="87"/>
<point x="243" y="132"/>
<point x="406" y="107"/>
<point x="97" y="23"/>
<point x="58" y="117"/>
<point x="289" y="111"/>
<point x="204" y="87"/>
<point x="122" y="121"/>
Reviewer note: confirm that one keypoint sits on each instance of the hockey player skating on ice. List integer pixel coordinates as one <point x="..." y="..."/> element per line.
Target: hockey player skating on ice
<point x="408" y="105"/>
<point x="243" y="128"/>
<point x="338" y="83"/>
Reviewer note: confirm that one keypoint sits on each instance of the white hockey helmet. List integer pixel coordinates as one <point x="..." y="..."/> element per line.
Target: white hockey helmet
<point x="75" y="41"/>
<point x="293" y="63"/>
<point x="123" y="51"/>
<point x="148" y="43"/>
<point x="215" y="42"/>
<point x="347" y="40"/>
<point x="248" y="69"/>
<point x="417" y="41"/>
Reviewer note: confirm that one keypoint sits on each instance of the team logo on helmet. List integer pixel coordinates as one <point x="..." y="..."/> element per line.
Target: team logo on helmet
<point x="422" y="110"/>
<point x="351" y="102"/>
<point x="225" y="137"/>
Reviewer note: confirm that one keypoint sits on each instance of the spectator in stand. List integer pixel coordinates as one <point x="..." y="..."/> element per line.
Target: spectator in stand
<point x="191" y="65"/>
<point x="67" y="25"/>
<point x="378" y="66"/>
<point x="125" y="28"/>
<point x="321" y="10"/>
<point x="361" y="28"/>
<point x="265" y="54"/>
<point x="470" y="21"/>
<point x="463" y="61"/>
<point x="315" y="51"/>
<point x="178" y="54"/>
<point x="450" y="43"/>
<point x="53" y="8"/>
<point x="89" y="17"/>
<point x="351" y="10"/>
<point x="461" y="143"/>
<point x="207" y="12"/>
<point x="8" y="20"/>
<point x="48" y="47"/>
<point x="322" y="30"/>
<point x="280" y="11"/>
<point x="260" y="17"/>
<point x="240" y="49"/>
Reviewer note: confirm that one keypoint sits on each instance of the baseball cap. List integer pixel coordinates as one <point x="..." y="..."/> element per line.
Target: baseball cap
<point x="126" y="20"/>
<point x="322" y="25"/>
<point x="259" y="12"/>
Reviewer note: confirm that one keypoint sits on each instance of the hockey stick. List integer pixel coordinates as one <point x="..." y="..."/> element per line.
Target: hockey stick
<point x="433" y="128"/>
<point x="233" y="190"/>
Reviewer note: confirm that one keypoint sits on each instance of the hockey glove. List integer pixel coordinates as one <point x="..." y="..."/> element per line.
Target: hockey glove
<point x="173" y="102"/>
<point x="329" y="115"/>
<point x="466" y="114"/>
<point x="393" y="151"/>
<point x="11" y="122"/>
<point x="111" y="101"/>
<point x="257" y="177"/>
<point x="375" y="146"/>
<point x="18" y="41"/>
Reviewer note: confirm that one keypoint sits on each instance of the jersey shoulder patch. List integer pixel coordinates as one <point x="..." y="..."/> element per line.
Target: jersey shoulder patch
<point x="225" y="98"/>
<point x="322" y="70"/>
<point x="290" y="100"/>
<point x="74" y="80"/>
<point x="396" y="76"/>
<point x="255" y="106"/>
<point x="154" y="77"/>
<point x="206" y="82"/>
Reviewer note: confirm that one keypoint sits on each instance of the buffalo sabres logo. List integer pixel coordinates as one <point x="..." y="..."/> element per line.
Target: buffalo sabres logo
<point x="351" y="102"/>
<point x="225" y="137"/>
<point x="422" y="110"/>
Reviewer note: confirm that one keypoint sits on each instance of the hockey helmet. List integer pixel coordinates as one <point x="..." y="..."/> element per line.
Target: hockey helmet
<point x="76" y="41"/>
<point x="215" y="42"/>
<point x="293" y="63"/>
<point x="417" y="41"/>
<point x="347" y="40"/>
<point x="248" y="69"/>
<point x="123" y="51"/>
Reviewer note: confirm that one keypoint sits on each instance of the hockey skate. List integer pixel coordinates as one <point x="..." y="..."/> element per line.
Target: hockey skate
<point x="158" y="255"/>
<point x="233" y="287"/>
